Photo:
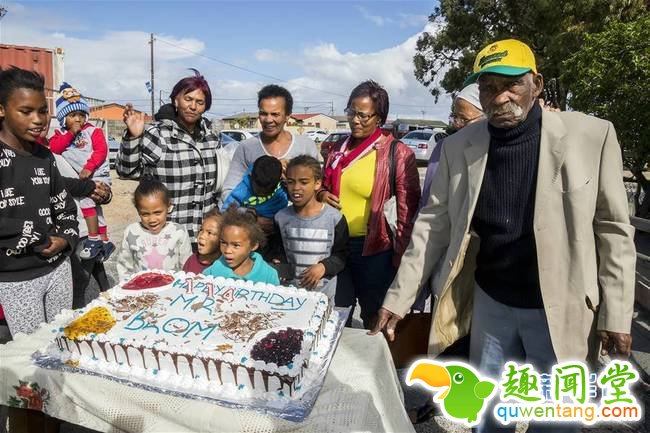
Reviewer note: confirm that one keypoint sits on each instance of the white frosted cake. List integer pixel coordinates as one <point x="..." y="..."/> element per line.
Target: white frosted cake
<point x="199" y="332"/>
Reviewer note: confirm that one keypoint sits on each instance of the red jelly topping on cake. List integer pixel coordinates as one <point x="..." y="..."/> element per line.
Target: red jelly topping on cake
<point x="148" y="280"/>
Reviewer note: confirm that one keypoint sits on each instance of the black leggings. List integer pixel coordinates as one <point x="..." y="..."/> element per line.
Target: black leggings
<point x="366" y="279"/>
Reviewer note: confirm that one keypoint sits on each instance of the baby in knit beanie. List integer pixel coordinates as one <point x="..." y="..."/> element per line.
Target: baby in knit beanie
<point x="84" y="147"/>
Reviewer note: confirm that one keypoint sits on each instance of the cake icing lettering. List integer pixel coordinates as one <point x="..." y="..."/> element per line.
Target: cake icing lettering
<point x="230" y="294"/>
<point x="190" y="285"/>
<point x="194" y="303"/>
<point x="140" y="322"/>
<point x="173" y="325"/>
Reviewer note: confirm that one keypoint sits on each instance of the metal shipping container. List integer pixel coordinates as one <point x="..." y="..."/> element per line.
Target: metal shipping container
<point x="47" y="62"/>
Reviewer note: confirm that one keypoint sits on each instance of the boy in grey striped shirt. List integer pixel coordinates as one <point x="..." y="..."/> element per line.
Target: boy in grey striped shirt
<point x="314" y="234"/>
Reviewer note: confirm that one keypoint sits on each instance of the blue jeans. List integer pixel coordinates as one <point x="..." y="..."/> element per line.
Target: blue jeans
<point x="501" y="333"/>
<point x="365" y="278"/>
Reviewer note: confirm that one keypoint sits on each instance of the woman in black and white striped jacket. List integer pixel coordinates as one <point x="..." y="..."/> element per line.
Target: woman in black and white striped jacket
<point x="181" y="152"/>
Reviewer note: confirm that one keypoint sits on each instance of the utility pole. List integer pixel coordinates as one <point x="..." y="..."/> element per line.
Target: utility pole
<point x="331" y="108"/>
<point x="153" y="97"/>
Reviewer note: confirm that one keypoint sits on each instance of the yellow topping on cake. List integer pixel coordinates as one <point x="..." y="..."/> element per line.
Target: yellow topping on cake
<point x="224" y="347"/>
<point x="97" y="320"/>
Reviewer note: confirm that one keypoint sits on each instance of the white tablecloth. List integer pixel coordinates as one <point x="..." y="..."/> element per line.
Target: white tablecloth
<point x="361" y="393"/>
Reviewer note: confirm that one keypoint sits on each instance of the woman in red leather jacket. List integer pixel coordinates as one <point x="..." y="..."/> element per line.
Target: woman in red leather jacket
<point x="357" y="182"/>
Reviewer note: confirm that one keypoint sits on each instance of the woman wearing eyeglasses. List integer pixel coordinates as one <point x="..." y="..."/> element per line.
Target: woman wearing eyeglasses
<point x="357" y="182"/>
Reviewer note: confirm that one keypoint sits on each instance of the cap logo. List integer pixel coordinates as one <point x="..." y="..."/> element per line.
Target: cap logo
<point x="492" y="58"/>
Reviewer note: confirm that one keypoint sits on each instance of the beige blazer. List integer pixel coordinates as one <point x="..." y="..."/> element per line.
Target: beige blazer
<point x="585" y="247"/>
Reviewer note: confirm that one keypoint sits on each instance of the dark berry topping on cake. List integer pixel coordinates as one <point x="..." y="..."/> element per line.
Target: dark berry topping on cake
<point x="278" y="347"/>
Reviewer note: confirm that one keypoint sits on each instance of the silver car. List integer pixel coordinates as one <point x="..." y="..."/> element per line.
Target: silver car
<point x="423" y="141"/>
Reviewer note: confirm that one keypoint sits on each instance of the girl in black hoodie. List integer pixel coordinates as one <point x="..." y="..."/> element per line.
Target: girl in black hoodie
<point x="38" y="221"/>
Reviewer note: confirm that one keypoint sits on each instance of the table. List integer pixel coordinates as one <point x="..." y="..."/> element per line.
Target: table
<point x="361" y="393"/>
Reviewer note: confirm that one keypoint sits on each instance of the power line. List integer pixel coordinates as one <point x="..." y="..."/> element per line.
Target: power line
<point x="250" y="71"/>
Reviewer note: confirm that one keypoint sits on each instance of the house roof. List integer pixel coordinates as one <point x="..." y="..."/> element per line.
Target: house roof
<point x="110" y="104"/>
<point x="304" y="116"/>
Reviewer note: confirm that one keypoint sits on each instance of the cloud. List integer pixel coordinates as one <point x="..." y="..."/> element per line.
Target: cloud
<point x="267" y="55"/>
<point x="411" y="20"/>
<point x="325" y="67"/>
<point x="263" y="55"/>
<point x="115" y="66"/>
<point x="375" y="19"/>
<point x="401" y="19"/>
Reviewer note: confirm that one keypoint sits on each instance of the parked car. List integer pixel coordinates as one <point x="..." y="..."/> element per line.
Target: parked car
<point x="332" y="140"/>
<point x="423" y="141"/>
<point x="317" y="135"/>
<point x="113" y="147"/>
<point x="237" y="134"/>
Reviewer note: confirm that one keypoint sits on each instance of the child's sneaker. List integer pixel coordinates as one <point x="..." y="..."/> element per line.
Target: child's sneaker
<point x="107" y="250"/>
<point x="91" y="248"/>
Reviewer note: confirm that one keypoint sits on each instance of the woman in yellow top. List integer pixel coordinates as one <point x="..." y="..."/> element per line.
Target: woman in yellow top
<point x="357" y="182"/>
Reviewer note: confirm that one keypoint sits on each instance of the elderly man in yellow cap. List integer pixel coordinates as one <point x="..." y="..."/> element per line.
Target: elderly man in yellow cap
<point x="529" y="210"/>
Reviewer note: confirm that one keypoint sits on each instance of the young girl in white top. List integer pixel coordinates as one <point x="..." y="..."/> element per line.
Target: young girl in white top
<point x="153" y="242"/>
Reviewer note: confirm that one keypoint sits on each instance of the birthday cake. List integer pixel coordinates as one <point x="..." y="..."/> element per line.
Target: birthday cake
<point x="198" y="332"/>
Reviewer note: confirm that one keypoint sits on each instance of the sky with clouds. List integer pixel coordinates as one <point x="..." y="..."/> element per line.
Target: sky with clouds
<point x="317" y="49"/>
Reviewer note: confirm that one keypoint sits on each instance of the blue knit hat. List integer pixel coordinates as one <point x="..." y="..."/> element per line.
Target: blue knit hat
<point x="69" y="102"/>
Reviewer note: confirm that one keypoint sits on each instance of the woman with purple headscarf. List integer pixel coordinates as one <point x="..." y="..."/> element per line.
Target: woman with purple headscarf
<point x="181" y="152"/>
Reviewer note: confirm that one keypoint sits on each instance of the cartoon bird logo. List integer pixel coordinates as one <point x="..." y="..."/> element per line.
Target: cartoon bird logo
<point x="463" y="394"/>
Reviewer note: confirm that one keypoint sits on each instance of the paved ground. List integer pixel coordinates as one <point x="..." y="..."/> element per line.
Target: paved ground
<point x="120" y="213"/>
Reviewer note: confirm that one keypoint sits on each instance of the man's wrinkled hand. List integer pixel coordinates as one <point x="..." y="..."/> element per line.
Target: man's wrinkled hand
<point x="386" y="321"/>
<point x="615" y="344"/>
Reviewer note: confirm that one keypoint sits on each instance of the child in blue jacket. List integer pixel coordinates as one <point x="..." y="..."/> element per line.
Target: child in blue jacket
<point x="260" y="189"/>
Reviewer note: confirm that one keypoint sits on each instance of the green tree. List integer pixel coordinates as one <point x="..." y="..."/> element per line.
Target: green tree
<point x="609" y="78"/>
<point x="554" y="29"/>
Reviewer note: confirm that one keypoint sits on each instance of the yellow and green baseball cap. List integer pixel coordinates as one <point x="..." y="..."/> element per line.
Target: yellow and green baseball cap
<point x="506" y="57"/>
